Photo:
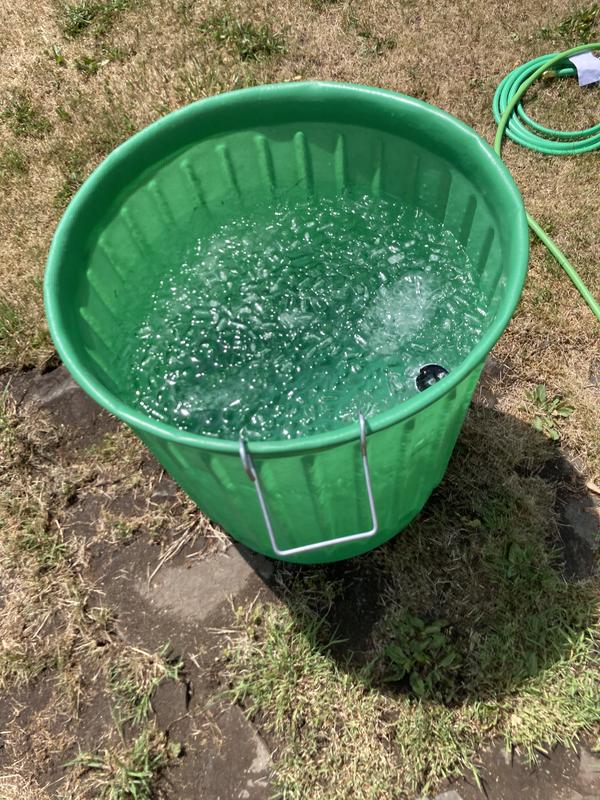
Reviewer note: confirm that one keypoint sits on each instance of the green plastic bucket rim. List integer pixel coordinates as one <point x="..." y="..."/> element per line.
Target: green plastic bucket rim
<point x="143" y="423"/>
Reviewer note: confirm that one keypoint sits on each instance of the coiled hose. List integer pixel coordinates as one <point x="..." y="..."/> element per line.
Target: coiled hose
<point x="518" y="126"/>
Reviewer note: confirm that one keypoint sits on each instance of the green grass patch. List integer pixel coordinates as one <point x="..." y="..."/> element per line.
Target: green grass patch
<point x="88" y="65"/>
<point x="24" y="118"/>
<point x="128" y="772"/>
<point x="12" y="164"/>
<point x="251" y="42"/>
<point x="548" y="411"/>
<point x="11" y="323"/>
<point x="129" y="769"/>
<point x="63" y="114"/>
<point x="91" y="15"/>
<point x="475" y="635"/>
<point x="45" y="545"/>
<point x="134" y="677"/>
<point x="579" y="27"/>
<point x="56" y="54"/>
<point x="74" y="170"/>
<point x="421" y="652"/>
<point x="331" y="724"/>
<point x="335" y="735"/>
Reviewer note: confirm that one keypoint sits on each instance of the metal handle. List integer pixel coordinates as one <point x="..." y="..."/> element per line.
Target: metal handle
<point x="352" y="537"/>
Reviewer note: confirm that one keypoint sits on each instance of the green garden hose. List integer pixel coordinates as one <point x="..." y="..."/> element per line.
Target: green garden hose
<point x="518" y="126"/>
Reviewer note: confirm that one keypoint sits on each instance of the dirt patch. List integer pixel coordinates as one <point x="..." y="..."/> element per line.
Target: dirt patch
<point x="559" y="774"/>
<point x="231" y="760"/>
<point x="81" y="421"/>
<point x="120" y="519"/>
<point x="578" y="516"/>
<point x="579" y="528"/>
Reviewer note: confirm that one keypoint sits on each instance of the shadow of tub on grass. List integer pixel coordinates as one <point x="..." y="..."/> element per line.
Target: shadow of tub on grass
<point x="485" y="589"/>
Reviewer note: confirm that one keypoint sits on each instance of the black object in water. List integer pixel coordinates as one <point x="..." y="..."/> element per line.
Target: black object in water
<point x="428" y="375"/>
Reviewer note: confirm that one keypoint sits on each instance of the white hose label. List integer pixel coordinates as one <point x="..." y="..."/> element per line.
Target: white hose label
<point x="588" y="68"/>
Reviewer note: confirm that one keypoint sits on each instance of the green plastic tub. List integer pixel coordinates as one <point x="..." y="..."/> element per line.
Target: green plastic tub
<point x="323" y="497"/>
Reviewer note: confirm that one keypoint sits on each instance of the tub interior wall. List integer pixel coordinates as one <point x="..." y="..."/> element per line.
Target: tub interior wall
<point x="130" y="240"/>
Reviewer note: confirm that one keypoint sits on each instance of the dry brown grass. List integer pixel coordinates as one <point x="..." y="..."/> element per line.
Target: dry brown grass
<point x="116" y="468"/>
<point x="48" y="624"/>
<point x="15" y="787"/>
<point x="59" y="642"/>
<point x="44" y="598"/>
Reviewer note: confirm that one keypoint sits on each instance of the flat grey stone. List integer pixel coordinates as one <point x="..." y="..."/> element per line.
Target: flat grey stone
<point x="261" y="763"/>
<point x="243" y="765"/>
<point x="57" y="393"/>
<point x="46" y="389"/>
<point x="494" y="368"/>
<point x="589" y="767"/>
<point x="450" y="795"/>
<point x="169" y="703"/>
<point x="193" y="592"/>
<point x="594" y="373"/>
<point x="583" y="516"/>
<point x="57" y="388"/>
<point x="579" y="529"/>
<point x="165" y="490"/>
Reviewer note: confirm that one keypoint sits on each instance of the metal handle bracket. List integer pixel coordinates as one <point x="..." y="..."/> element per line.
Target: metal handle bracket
<point x="351" y="537"/>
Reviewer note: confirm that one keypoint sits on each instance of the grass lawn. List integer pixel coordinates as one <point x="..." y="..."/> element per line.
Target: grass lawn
<point x="378" y="678"/>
